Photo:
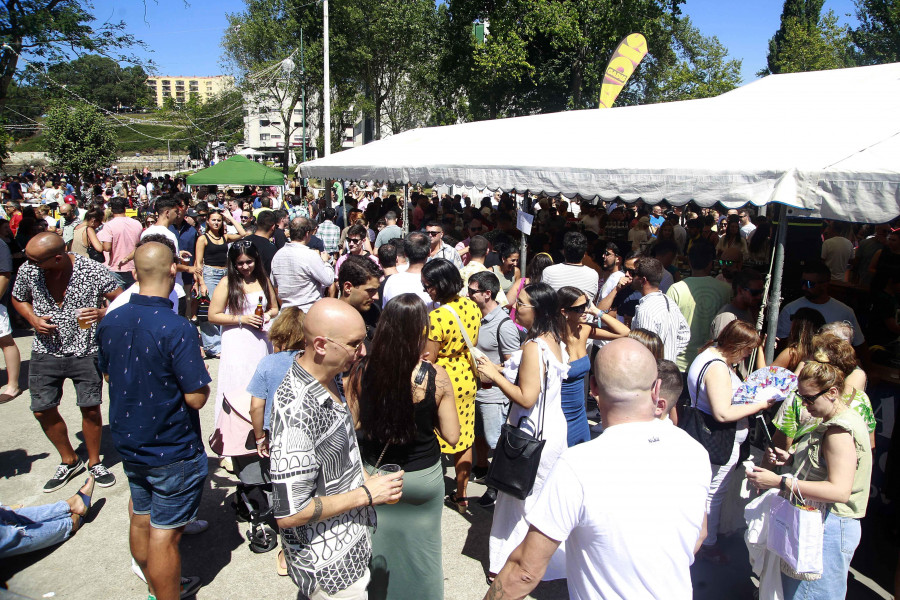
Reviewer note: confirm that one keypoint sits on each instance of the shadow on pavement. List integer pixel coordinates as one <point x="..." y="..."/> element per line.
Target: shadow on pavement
<point x="206" y="554"/>
<point x="108" y="453"/>
<point x="18" y="462"/>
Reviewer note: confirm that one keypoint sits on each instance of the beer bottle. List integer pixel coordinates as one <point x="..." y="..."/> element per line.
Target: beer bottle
<point x="259" y="308"/>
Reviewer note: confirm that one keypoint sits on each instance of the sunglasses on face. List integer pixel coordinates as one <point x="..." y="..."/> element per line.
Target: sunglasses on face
<point x="473" y="291"/>
<point x="354" y="241"/>
<point x="810" y="399"/>
<point x="809" y="283"/>
<point x="434" y="233"/>
<point x="631" y="272"/>
<point x="754" y="291"/>
<point x="578" y="308"/>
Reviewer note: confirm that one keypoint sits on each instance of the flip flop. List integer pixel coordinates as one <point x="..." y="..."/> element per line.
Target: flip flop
<point x="4" y="398"/>
<point x="86" y="498"/>
<point x="282" y="571"/>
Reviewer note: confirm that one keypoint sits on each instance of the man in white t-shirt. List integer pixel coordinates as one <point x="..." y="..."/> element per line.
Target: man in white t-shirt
<point x="816" y="277"/>
<point x="630" y="504"/>
<point x="837" y="251"/>
<point x="573" y="272"/>
<point x="747" y="226"/>
<point x="417" y="247"/>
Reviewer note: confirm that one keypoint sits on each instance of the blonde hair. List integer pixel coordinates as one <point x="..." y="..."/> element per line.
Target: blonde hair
<point x="823" y="375"/>
<point x="835" y="350"/>
<point x="286" y="332"/>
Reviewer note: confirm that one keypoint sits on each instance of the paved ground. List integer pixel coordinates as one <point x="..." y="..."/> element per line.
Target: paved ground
<point x="95" y="563"/>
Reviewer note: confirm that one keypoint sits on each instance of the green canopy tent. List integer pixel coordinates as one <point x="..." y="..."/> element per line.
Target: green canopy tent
<point x="238" y="170"/>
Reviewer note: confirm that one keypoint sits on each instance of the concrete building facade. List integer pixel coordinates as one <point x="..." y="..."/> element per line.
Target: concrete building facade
<point x="182" y="88"/>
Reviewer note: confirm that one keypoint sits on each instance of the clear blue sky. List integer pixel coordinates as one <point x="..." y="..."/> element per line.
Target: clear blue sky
<point x="186" y="37"/>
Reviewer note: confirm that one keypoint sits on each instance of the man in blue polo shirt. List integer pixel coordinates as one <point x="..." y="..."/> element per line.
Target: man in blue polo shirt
<point x="157" y="384"/>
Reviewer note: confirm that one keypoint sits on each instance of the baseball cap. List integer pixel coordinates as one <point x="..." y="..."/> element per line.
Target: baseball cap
<point x="70" y="199"/>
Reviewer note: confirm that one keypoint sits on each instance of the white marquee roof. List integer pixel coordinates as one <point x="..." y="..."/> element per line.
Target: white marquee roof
<point x="828" y="141"/>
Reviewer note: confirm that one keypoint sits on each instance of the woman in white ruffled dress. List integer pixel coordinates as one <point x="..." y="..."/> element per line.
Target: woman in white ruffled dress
<point x="532" y="380"/>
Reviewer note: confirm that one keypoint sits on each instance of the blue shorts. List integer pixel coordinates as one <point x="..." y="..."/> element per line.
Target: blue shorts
<point x="489" y="419"/>
<point x="170" y="494"/>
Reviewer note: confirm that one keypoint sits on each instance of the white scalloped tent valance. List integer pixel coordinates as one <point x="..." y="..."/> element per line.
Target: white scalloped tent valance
<point x="826" y="141"/>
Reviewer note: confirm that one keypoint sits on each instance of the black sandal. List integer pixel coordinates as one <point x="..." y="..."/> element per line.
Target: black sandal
<point x="461" y="506"/>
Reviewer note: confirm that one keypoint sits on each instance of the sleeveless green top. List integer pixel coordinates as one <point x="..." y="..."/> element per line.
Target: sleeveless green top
<point x="810" y="461"/>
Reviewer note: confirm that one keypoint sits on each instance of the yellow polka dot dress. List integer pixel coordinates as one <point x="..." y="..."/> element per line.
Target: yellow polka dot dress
<point x="454" y="357"/>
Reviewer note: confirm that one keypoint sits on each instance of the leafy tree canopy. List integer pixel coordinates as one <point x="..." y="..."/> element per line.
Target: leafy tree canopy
<point x="878" y="35"/>
<point x="100" y="80"/>
<point x="79" y="138"/>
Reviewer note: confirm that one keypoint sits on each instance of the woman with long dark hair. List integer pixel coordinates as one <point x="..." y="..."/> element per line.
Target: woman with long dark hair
<point x="400" y="401"/>
<point x="508" y="269"/>
<point x="533" y="274"/>
<point x="532" y="380"/>
<point x="447" y="347"/>
<point x="732" y="239"/>
<point x="210" y="264"/>
<point x="233" y="306"/>
<point x="573" y="305"/>
<point x="804" y="325"/>
<point x="759" y="247"/>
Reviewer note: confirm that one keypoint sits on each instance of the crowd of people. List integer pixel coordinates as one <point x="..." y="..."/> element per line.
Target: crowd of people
<point x="371" y="362"/>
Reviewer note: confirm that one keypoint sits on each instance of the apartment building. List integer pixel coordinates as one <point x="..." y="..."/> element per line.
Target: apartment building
<point x="182" y="88"/>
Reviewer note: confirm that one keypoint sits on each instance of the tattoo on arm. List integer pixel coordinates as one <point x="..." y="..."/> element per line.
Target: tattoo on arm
<point x="317" y="511"/>
<point x="496" y="591"/>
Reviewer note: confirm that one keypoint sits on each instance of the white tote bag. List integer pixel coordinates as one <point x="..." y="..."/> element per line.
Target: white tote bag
<point x="796" y="534"/>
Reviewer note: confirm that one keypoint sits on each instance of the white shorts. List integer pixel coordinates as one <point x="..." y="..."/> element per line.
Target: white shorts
<point x="5" y="327"/>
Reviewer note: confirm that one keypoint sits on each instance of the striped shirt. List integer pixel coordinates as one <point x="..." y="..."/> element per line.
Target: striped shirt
<point x="656" y="313"/>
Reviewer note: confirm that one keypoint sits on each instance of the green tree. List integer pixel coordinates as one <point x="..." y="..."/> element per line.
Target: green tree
<point x="550" y="56"/>
<point x="701" y="68"/>
<point x="825" y="46"/>
<point x="807" y="40"/>
<point x="103" y="81"/>
<point x="79" y="138"/>
<point x="878" y="34"/>
<point x="51" y="30"/>
<point x="219" y="120"/>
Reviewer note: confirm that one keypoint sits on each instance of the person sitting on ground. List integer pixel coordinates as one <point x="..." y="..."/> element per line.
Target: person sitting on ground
<point x="32" y="528"/>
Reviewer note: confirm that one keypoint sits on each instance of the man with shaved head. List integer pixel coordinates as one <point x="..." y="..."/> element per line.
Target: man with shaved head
<point x="323" y="499"/>
<point x="63" y="296"/>
<point x="630" y="504"/>
<point x="157" y="384"/>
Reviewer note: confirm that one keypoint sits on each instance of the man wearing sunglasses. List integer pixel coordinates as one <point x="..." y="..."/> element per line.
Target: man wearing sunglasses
<point x="438" y="248"/>
<point x="814" y="283"/>
<point x="748" y="286"/>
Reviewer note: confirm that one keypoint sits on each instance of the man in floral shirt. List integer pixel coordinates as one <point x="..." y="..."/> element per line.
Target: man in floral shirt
<point x="49" y="289"/>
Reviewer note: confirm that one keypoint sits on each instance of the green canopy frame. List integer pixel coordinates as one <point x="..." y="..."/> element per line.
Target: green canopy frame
<point x="237" y="170"/>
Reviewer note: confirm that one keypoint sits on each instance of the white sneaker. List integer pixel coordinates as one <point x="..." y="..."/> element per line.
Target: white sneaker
<point x="196" y="526"/>
<point x="136" y="569"/>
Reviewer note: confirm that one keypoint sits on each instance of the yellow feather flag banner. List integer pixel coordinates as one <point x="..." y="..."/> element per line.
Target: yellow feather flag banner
<point x="624" y="61"/>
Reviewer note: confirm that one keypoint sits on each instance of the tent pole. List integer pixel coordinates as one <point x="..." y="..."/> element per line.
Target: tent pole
<point x="405" y="209"/>
<point x="523" y="244"/>
<point x="775" y="289"/>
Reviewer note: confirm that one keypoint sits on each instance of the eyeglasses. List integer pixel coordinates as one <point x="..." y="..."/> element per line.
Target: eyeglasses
<point x="242" y="244"/>
<point x="354" y="241"/>
<point x="810" y="399"/>
<point x="39" y="261"/>
<point x="631" y="272"/>
<point x="520" y="304"/>
<point x="351" y="349"/>
<point x="755" y="291"/>
<point x="434" y="233"/>
<point x="473" y="291"/>
<point x="579" y="308"/>
<point x="243" y="218"/>
<point x="427" y="286"/>
<point x="809" y="283"/>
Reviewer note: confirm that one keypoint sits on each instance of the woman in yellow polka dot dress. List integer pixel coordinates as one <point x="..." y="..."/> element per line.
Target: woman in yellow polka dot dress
<point x="447" y="348"/>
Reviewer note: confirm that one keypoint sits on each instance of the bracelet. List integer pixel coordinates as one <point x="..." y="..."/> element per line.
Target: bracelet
<point x="368" y="493"/>
<point x="261" y="440"/>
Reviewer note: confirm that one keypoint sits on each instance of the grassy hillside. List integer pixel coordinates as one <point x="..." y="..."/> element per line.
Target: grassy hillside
<point x="130" y="138"/>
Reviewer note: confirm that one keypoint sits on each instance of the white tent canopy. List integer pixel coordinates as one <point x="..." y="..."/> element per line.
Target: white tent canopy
<point x="826" y="141"/>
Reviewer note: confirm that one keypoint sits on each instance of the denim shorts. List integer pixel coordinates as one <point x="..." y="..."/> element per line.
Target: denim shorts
<point x="489" y="418"/>
<point x="46" y="374"/>
<point x="170" y="494"/>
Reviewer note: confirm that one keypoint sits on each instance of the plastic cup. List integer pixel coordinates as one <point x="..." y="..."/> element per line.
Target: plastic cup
<point x="83" y="321"/>
<point x="387" y="470"/>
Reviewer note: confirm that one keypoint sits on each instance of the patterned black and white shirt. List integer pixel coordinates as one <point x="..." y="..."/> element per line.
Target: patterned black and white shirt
<point x="90" y="281"/>
<point x="314" y="453"/>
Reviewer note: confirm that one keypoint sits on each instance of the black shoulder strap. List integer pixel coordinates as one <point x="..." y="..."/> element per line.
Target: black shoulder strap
<point x="700" y="378"/>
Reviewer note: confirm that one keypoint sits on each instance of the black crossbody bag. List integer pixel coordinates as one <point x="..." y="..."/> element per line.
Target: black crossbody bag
<point x="716" y="437"/>
<point x="518" y="454"/>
